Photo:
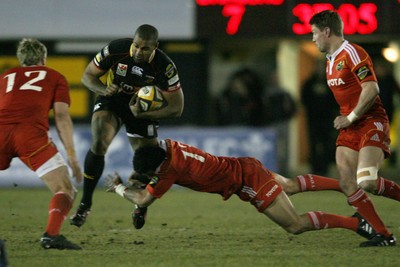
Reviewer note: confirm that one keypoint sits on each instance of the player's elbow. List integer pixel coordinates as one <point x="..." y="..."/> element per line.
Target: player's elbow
<point x="175" y="112"/>
<point x="85" y="80"/>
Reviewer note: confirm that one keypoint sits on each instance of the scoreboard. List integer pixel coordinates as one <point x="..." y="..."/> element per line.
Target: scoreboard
<point x="263" y="18"/>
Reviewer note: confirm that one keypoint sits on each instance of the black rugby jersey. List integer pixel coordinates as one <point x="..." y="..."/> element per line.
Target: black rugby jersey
<point x="131" y="76"/>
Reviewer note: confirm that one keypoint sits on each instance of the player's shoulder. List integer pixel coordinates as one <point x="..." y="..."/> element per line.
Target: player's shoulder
<point x="11" y="70"/>
<point x="354" y="50"/>
<point x="53" y="72"/>
<point x="161" y="58"/>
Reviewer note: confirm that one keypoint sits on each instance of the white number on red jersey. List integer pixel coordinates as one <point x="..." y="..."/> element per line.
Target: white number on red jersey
<point x="38" y="75"/>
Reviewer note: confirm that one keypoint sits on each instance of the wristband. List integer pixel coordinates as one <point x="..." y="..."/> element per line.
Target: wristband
<point x="120" y="189"/>
<point x="352" y="116"/>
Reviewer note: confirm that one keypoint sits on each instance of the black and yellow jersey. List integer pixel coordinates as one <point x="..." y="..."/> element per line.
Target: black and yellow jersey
<point x="131" y="76"/>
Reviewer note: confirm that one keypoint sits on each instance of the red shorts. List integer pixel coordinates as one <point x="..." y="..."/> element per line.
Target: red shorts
<point x="27" y="142"/>
<point x="368" y="132"/>
<point x="259" y="186"/>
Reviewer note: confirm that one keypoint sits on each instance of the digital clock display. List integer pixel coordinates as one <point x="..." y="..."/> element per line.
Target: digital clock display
<point x="254" y="18"/>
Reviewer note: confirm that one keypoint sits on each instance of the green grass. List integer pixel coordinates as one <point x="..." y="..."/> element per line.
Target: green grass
<point x="187" y="228"/>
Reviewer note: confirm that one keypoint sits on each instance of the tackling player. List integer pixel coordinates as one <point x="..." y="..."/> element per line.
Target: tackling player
<point x="160" y="167"/>
<point x="129" y="64"/>
<point x="27" y="93"/>
<point x="363" y="125"/>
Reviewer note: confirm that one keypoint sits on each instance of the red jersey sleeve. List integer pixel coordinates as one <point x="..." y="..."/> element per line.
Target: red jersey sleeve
<point x="360" y="63"/>
<point x="61" y="93"/>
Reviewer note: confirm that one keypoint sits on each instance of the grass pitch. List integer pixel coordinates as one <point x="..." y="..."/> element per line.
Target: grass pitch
<point x="187" y="228"/>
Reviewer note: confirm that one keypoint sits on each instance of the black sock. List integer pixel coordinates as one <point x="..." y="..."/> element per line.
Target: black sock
<point x="94" y="166"/>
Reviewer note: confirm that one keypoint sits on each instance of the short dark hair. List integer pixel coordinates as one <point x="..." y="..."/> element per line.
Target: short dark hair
<point x="147" y="32"/>
<point x="148" y="158"/>
<point x="330" y="19"/>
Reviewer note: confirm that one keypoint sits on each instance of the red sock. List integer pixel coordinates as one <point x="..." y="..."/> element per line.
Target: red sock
<point x="362" y="203"/>
<point x="59" y="207"/>
<point x="322" y="220"/>
<point x="312" y="182"/>
<point x="387" y="189"/>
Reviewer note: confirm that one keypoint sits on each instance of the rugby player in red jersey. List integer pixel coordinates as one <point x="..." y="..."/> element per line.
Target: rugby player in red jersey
<point x="159" y="167"/>
<point x="363" y="141"/>
<point x="27" y="93"/>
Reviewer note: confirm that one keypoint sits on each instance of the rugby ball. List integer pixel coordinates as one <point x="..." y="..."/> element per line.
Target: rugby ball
<point x="150" y="98"/>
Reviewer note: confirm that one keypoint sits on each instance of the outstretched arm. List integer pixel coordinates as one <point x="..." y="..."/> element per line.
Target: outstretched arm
<point x="136" y="195"/>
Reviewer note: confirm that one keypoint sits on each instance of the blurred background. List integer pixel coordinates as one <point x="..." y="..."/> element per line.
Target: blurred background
<point x="253" y="80"/>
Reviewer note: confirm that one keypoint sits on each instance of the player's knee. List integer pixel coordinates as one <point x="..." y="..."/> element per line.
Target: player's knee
<point x="99" y="146"/>
<point x="366" y="178"/>
<point x="291" y="187"/>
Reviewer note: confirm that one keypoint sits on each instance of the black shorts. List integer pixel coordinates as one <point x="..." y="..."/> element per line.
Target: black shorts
<point x="119" y="105"/>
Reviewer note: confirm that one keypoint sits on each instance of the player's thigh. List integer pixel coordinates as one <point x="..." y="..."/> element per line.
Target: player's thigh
<point x="370" y="156"/>
<point x="105" y="125"/>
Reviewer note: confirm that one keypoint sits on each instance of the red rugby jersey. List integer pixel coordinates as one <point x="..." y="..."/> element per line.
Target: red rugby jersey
<point x="346" y="70"/>
<point x="27" y="94"/>
<point x="196" y="169"/>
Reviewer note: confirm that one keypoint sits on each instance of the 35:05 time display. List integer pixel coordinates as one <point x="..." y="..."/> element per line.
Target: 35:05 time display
<point x="283" y="17"/>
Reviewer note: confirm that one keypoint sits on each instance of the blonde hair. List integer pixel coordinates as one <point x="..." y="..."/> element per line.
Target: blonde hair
<point x="31" y="52"/>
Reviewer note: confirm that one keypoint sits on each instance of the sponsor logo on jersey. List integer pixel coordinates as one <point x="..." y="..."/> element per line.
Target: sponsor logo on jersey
<point x="376" y="138"/>
<point x="363" y="72"/>
<point x="99" y="57"/>
<point x="137" y="71"/>
<point x="121" y="69"/>
<point x="96" y="107"/>
<point x="149" y="79"/>
<point x="106" y="51"/>
<point x="340" y="65"/>
<point x="127" y="89"/>
<point x="154" y="180"/>
<point x="270" y="192"/>
<point x="259" y="203"/>
<point x="335" y="82"/>
<point x="170" y="71"/>
<point x="173" y="80"/>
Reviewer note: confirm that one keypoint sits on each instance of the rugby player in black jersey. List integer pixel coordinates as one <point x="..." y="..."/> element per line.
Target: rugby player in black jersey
<point x="129" y="65"/>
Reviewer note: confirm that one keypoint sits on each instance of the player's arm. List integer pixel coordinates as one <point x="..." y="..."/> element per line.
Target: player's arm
<point x="64" y="128"/>
<point x="173" y="109"/>
<point x="136" y="193"/>
<point x="91" y="79"/>
<point x="369" y="92"/>
<point x="139" y="197"/>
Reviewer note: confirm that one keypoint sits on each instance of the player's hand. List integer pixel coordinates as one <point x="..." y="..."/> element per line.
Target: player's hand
<point x="76" y="168"/>
<point x="341" y="122"/>
<point x="112" y="181"/>
<point x="112" y="89"/>
<point x="134" y="105"/>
